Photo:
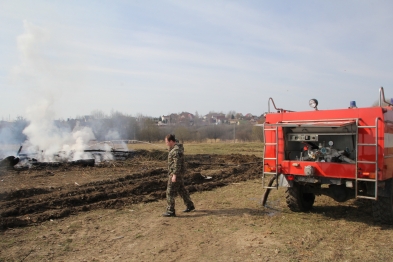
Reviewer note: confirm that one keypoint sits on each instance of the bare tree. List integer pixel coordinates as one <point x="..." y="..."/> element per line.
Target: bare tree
<point x="231" y="114"/>
<point x="244" y="132"/>
<point x="150" y="131"/>
<point x="98" y="114"/>
<point x="183" y="133"/>
<point x="257" y="132"/>
<point x="228" y="132"/>
<point x="214" y="132"/>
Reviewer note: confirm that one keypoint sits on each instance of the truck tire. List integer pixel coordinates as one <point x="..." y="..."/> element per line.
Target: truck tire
<point x="383" y="207"/>
<point x="298" y="201"/>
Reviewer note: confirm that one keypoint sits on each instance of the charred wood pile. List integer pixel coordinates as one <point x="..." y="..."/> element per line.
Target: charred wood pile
<point x="90" y="158"/>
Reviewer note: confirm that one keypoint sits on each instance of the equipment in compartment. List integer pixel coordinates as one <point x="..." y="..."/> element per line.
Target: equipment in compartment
<point x="316" y="144"/>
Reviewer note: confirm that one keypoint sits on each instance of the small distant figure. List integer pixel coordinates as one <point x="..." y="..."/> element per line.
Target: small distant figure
<point x="176" y="170"/>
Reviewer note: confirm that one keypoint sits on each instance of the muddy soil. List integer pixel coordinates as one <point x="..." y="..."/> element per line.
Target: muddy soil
<point x="47" y="192"/>
<point x="113" y="212"/>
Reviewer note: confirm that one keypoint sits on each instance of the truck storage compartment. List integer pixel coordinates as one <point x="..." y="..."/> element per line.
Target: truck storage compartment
<point x="333" y="141"/>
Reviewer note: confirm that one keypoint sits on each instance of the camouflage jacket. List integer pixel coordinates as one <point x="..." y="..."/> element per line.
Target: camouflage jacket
<point x="176" y="163"/>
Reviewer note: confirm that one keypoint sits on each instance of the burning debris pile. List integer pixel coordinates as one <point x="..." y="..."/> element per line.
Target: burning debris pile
<point x="49" y="144"/>
<point x="9" y="161"/>
<point x="96" y="153"/>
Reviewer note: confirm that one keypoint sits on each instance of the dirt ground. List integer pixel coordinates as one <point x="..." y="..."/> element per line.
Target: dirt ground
<point x="112" y="212"/>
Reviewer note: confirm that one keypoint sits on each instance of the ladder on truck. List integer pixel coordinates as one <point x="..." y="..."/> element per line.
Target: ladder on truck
<point x="274" y="143"/>
<point x="375" y="163"/>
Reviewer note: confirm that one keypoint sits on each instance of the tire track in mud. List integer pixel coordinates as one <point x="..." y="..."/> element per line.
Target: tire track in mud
<point x="36" y="204"/>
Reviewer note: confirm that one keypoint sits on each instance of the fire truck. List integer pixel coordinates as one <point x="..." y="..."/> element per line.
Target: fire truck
<point x="342" y="153"/>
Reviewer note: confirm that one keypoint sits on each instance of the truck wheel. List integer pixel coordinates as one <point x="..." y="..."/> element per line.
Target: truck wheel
<point x="383" y="208"/>
<point x="298" y="201"/>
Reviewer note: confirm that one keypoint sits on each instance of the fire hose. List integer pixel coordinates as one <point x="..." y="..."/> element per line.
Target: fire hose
<point x="267" y="191"/>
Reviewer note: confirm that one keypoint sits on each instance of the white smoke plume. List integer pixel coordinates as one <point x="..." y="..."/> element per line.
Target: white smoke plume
<point x="43" y="85"/>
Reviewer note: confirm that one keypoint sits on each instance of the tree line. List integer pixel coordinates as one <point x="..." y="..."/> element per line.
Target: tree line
<point x="224" y="132"/>
<point x="143" y="128"/>
<point x="119" y="126"/>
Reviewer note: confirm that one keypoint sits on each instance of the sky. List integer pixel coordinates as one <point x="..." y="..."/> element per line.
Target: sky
<point x="72" y="58"/>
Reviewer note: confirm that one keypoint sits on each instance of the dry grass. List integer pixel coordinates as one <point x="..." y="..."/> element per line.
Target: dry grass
<point x="209" y="147"/>
<point x="220" y="148"/>
<point x="228" y="225"/>
<point x="224" y="148"/>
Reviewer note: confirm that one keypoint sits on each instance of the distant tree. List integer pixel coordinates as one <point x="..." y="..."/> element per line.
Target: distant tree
<point x="183" y="134"/>
<point x="14" y="132"/>
<point x="149" y="131"/>
<point x="261" y="119"/>
<point x="231" y="114"/>
<point x="165" y="130"/>
<point x="214" y="132"/>
<point x="244" y="132"/>
<point x="133" y="129"/>
<point x="239" y="116"/>
<point x="257" y="132"/>
<point x="197" y="119"/>
<point x="228" y="132"/>
<point x="98" y="114"/>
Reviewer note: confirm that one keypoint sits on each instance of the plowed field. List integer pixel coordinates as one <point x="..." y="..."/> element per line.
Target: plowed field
<point x="112" y="212"/>
<point x="49" y="192"/>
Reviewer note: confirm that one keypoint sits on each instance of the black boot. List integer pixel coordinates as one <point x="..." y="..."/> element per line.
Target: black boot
<point x="189" y="209"/>
<point x="169" y="214"/>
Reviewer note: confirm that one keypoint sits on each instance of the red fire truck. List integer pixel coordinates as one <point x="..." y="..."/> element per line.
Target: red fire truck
<point x="342" y="153"/>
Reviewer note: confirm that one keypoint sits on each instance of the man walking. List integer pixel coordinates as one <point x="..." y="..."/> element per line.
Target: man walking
<point x="176" y="170"/>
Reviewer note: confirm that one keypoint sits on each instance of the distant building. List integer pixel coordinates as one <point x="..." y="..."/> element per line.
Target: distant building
<point x="215" y="118"/>
<point x="183" y="118"/>
<point x="165" y="119"/>
<point x="186" y="118"/>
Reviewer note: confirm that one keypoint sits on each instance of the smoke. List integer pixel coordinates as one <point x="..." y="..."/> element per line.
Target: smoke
<point x="50" y="140"/>
<point x="43" y="83"/>
<point x="112" y="135"/>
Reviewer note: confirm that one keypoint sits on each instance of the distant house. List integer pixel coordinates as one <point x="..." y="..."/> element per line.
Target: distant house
<point x="186" y="118"/>
<point x="249" y="116"/>
<point x="215" y="118"/>
<point x="170" y="119"/>
<point x="165" y="119"/>
<point x="173" y="118"/>
<point x="239" y="116"/>
<point x="220" y="119"/>
<point x="233" y="121"/>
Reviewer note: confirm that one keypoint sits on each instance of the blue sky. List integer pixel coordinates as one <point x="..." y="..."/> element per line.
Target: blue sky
<point x="69" y="58"/>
